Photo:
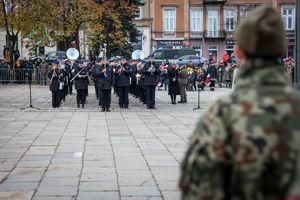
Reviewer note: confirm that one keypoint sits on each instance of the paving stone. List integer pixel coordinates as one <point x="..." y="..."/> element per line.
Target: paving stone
<point x="58" y="181"/>
<point x="54" y="198"/>
<point x="18" y="186"/>
<point x="98" y="195"/>
<point x="141" y="198"/>
<point x="56" y="191"/>
<point x="98" y="186"/>
<point x="25" y="175"/>
<point x="133" y="191"/>
<point x="16" y="195"/>
<point x="171" y="195"/>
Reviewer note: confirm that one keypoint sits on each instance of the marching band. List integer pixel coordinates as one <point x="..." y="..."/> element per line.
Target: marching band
<point x="136" y="77"/>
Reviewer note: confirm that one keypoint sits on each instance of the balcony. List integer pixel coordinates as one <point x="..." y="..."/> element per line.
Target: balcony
<point x="290" y="34"/>
<point x="196" y="34"/>
<point x="214" y="1"/>
<point x="169" y="34"/>
<point x="214" y="34"/>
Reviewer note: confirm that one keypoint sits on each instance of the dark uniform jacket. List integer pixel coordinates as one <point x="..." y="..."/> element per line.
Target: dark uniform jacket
<point x="104" y="80"/>
<point x="55" y="78"/>
<point x="213" y="72"/>
<point x="123" y="79"/>
<point x="150" y="78"/>
<point x="81" y="83"/>
<point x="133" y="70"/>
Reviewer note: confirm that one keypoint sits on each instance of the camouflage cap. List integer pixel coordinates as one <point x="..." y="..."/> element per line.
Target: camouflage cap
<point x="262" y="33"/>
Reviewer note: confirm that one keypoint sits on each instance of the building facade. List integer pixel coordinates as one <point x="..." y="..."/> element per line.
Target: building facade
<point x="143" y="23"/>
<point x="208" y="25"/>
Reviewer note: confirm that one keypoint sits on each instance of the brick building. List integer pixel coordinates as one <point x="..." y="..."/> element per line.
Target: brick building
<point x="208" y="25"/>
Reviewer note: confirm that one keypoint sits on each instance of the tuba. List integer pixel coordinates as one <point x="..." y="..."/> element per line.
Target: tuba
<point x="72" y="54"/>
<point x="138" y="54"/>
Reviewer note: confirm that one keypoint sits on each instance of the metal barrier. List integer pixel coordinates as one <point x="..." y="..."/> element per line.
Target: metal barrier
<point x="22" y="75"/>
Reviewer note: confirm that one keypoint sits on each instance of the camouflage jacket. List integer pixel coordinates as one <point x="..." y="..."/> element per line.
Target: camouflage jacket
<point x="245" y="147"/>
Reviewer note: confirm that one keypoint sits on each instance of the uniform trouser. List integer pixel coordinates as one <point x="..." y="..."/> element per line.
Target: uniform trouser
<point x="62" y="94"/>
<point x="212" y="84"/>
<point x="133" y="88"/>
<point x="150" y="96"/>
<point x="56" y="99"/>
<point x="123" y="96"/>
<point x="182" y="87"/>
<point x="106" y="98"/>
<point x="99" y="96"/>
<point x="81" y="96"/>
<point x="96" y="89"/>
<point x="70" y="87"/>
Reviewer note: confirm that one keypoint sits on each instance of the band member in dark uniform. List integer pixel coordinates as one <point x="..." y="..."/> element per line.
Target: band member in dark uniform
<point x="133" y="82"/>
<point x="97" y="65"/>
<point x="122" y="74"/>
<point x="64" y="84"/>
<point x="105" y="81"/>
<point x="140" y="83"/>
<point x="151" y="72"/>
<point x="69" y="74"/>
<point x="81" y="83"/>
<point x="54" y="76"/>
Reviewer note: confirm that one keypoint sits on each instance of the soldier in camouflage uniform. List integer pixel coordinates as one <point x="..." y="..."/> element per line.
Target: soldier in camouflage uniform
<point x="183" y="80"/>
<point x="246" y="146"/>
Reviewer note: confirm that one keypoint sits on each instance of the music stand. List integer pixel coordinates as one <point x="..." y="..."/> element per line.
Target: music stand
<point x="198" y="107"/>
<point x="30" y="96"/>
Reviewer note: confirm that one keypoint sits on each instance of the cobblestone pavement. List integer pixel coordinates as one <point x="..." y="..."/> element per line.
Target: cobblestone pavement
<point x="71" y="153"/>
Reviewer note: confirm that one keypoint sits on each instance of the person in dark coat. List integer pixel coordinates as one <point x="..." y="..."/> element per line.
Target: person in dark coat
<point x="173" y="83"/>
<point x="4" y="72"/>
<point x="96" y="67"/>
<point x="122" y="74"/>
<point x="105" y="81"/>
<point x="212" y="74"/>
<point x="54" y="76"/>
<point x="151" y="72"/>
<point x="133" y="82"/>
<point x="81" y="83"/>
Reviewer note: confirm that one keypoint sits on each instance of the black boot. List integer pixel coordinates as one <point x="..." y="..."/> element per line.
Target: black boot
<point x="82" y="106"/>
<point x="78" y="105"/>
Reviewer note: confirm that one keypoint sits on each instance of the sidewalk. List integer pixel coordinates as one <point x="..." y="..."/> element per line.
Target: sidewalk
<point x="71" y="153"/>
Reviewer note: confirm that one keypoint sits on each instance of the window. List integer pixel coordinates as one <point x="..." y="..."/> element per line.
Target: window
<point x="230" y="20"/>
<point x="139" y="13"/>
<point x="213" y="23"/>
<point x="229" y="49"/>
<point x="213" y="53"/>
<point x="244" y="12"/>
<point x="196" y="19"/>
<point x="169" y="19"/>
<point x="288" y="18"/>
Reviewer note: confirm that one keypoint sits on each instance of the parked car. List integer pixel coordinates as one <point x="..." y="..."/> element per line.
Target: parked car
<point x="171" y="54"/>
<point x="49" y="57"/>
<point x="184" y="60"/>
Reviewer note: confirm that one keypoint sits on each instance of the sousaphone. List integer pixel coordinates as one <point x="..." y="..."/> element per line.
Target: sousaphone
<point x="72" y="54"/>
<point x="138" y="54"/>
